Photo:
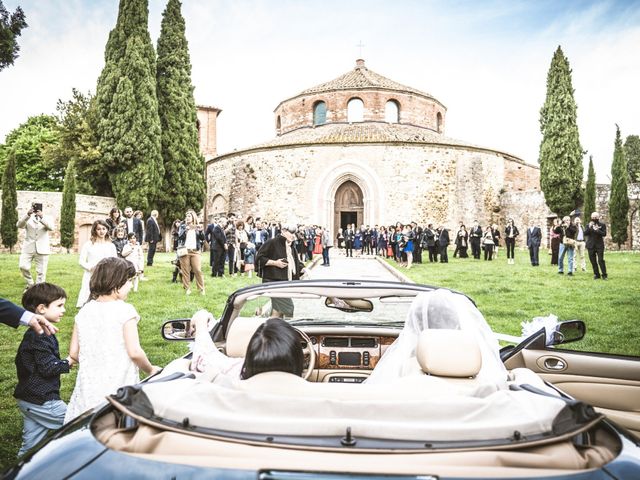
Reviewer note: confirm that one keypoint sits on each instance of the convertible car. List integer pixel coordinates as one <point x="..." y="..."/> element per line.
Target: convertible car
<point x="396" y="385"/>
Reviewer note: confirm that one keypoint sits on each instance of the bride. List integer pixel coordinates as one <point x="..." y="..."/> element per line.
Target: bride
<point x="446" y="310"/>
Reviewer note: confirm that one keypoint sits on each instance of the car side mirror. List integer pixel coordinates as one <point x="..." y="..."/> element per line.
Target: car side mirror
<point x="177" y="330"/>
<point x="570" y="331"/>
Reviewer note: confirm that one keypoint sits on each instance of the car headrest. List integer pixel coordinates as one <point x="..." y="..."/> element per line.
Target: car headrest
<point x="448" y="353"/>
<point x="239" y="334"/>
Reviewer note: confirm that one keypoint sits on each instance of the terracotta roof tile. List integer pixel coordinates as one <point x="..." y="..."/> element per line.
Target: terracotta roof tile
<point x="362" y="78"/>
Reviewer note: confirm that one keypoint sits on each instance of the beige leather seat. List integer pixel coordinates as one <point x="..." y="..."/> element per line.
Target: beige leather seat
<point x="240" y="332"/>
<point x="449" y="353"/>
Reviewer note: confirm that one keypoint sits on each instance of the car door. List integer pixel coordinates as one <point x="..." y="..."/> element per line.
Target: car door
<point x="611" y="383"/>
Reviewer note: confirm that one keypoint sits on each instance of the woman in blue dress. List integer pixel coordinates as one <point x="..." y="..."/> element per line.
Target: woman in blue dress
<point x="407" y="235"/>
<point x="357" y="241"/>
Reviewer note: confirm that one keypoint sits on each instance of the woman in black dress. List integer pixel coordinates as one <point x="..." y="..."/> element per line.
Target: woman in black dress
<point x="555" y="242"/>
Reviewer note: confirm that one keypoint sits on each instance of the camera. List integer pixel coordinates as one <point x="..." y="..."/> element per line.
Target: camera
<point x="36" y="207"/>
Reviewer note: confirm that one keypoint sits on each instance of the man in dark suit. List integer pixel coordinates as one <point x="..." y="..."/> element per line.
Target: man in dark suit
<point x="217" y="240"/>
<point x="132" y="224"/>
<point x="443" y="242"/>
<point x="13" y="315"/>
<point x="534" y="238"/>
<point x="349" y="236"/>
<point x="475" y="236"/>
<point x="152" y="236"/>
<point x="595" y="233"/>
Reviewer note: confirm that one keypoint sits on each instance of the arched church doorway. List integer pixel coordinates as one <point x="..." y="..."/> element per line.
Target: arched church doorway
<point x="348" y="206"/>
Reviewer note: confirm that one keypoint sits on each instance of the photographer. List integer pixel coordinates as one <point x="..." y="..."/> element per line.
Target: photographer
<point x="567" y="232"/>
<point x="595" y="233"/>
<point x="36" y="243"/>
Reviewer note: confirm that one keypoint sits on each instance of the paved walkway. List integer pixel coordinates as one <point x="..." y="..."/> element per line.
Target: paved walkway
<point x="352" y="268"/>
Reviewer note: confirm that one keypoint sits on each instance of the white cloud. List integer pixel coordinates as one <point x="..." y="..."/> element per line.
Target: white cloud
<point x="486" y="61"/>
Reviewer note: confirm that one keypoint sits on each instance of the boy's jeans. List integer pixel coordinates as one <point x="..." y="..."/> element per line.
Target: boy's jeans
<point x="38" y="420"/>
<point x="565" y="250"/>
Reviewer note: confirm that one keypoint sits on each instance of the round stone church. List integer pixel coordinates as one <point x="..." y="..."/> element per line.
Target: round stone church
<point x="365" y="149"/>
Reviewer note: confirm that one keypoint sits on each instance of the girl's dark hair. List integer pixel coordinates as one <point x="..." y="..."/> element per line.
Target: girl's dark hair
<point x="109" y="275"/>
<point x="114" y="210"/>
<point x="94" y="229"/>
<point x="275" y="346"/>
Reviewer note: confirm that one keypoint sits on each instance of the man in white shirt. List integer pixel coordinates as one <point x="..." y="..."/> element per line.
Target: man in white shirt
<point x="579" y="257"/>
<point x="36" y="244"/>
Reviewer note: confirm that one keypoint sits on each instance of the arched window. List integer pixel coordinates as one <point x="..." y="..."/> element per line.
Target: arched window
<point x="320" y="113"/>
<point x="439" y="122"/>
<point x="392" y="112"/>
<point x="355" y="110"/>
<point x="278" y="125"/>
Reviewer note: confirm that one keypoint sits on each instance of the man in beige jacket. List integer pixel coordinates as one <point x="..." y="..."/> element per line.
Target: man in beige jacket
<point x="36" y="243"/>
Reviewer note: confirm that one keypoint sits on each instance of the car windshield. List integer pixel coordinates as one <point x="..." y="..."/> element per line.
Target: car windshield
<point x="310" y="309"/>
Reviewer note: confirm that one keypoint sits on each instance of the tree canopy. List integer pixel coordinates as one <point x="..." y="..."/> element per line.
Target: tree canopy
<point x="183" y="186"/>
<point x="590" y="192"/>
<point x="127" y="108"/>
<point x="8" y="227"/>
<point x="632" y="154"/>
<point x="28" y="142"/>
<point x="619" y="201"/>
<point x="561" y="168"/>
<point x="11" y="26"/>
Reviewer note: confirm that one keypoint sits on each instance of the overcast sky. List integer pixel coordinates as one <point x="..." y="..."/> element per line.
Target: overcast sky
<point x="486" y="61"/>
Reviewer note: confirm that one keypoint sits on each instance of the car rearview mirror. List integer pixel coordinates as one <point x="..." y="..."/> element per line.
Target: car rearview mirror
<point x="178" y="329"/>
<point x="349" y="304"/>
<point x="570" y="331"/>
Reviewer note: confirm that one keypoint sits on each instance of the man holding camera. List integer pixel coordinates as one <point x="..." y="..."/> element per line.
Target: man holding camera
<point x="36" y="243"/>
<point x="595" y="233"/>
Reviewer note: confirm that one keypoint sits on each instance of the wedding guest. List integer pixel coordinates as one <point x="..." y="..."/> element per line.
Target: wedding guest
<point x="555" y="241"/>
<point x="510" y="235"/>
<point x="488" y="242"/>
<point x="99" y="246"/>
<point x="36" y="244"/>
<point x="190" y="239"/>
<point x="534" y="238"/>
<point x="579" y="256"/>
<point x="462" y="238"/>
<point x="114" y="220"/>
<point x="443" y="242"/>
<point x="595" y="232"/>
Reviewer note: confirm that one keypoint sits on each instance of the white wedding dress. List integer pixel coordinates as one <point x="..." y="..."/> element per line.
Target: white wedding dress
<point x="90" y="255"/>
<point x="104" y="365"/>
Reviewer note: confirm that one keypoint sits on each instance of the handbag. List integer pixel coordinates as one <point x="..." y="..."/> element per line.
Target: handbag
<point x="569" y="242"/>
<point x="182" y="251"/>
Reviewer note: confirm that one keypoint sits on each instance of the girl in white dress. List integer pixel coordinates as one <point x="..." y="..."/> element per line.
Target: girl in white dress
<point x="94" y="250"/>
<point x="105" y="339"/>
<point x="132" y="252"/>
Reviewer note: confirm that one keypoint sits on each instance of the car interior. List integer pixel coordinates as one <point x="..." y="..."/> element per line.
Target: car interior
<point x="438" y="397"/>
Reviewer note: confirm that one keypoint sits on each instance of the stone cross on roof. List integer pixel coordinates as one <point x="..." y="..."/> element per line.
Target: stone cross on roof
<point x="360" y="46"/>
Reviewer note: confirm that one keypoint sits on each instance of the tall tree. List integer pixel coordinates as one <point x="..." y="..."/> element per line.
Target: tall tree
<point x="78" y="142"/>
<point x="632" y="153"/>
<point x="8" y="225"/>
<point x="34" y="171"/>
<point x="10" y="29"/>
<point x="590" y="192"/>
<point x="183" y="185"/>
<point x="619" y="201"/>
<point x="127" y="106"/>
<point x="68" y="208"/>
<point x="561" y="168"/>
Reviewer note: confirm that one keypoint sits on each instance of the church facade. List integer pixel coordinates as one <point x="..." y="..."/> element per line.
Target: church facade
<point x="365" y="149"/>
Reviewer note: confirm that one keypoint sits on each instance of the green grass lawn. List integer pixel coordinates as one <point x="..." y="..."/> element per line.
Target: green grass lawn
<point x="509" y="294"/>
<point x="506" y="294"/>
<point x="157" y="300"/>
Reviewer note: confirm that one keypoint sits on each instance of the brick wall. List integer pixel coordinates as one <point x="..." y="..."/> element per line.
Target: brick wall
<point x="88" y="209"/>
<point x="414" y="109"/>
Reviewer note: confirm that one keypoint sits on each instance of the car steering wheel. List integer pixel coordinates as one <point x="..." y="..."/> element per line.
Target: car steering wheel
<point x="308" y="350"/>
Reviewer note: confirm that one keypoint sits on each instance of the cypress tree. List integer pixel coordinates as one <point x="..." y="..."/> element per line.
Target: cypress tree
<point x="590" y="192"/>
<point x="619" y="201"/>
<point x="183" y="186"/>
<point x="68" y="209"/>
<point x="126" y="102"/>
<point x="632" y="153"/>
<point x="8" y="227"/>
<point x="561" y="168"/>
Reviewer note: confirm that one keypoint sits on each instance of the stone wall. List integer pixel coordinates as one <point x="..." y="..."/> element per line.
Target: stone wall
<point x="525" y="207"/>
<point x="603" y="192"/>
<point x="422" y="183"/>
<point x="88" y="209"/>
<point x="414" y="109"/>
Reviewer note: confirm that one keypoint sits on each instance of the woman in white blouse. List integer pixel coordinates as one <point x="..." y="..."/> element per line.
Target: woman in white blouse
<point x="190" y="239"/>
<point x="99" y="246"/>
